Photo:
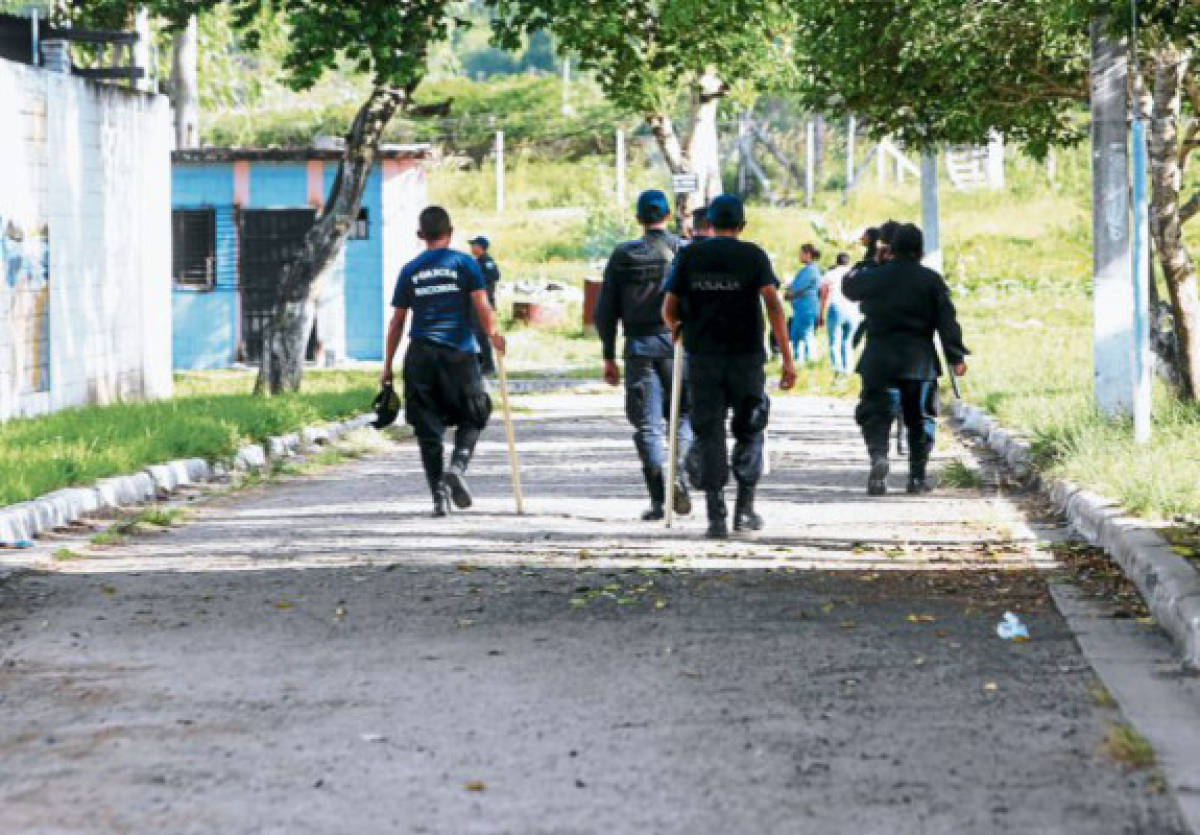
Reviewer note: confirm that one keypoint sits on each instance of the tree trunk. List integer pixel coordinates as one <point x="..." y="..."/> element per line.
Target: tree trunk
<point x="702" y="154"/>
<point x="1166" y="175"/>
<point x="184" y="86"/>
<point x="286" y="335"/>
<point x="703" y="148"/>
<point x="663" y="130"/>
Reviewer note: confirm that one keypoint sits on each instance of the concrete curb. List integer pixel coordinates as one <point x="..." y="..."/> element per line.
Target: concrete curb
<point x="1169" y="583"/>
<point x="27" y="520"/>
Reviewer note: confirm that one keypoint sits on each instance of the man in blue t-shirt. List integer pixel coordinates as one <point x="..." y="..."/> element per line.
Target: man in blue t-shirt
<point x="442" y="383"/>
<point x="714" y="294"/>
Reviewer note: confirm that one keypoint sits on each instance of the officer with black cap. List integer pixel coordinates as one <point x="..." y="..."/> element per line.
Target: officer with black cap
<point x="701" y="228"/>
<point x="442" y="383"/>
<point x="904" y="304"/>
<point x="632" y="296"/>
<point x="491" y="274"/>
<point x="715" y="294"/>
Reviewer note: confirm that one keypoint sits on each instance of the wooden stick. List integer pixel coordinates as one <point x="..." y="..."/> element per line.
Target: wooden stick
<point x="510" y="436"/>
<point x="673" y="430"/>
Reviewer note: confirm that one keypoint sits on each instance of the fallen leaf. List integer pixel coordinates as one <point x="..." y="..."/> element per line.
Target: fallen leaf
<point x="660" y="604"/>
<point x="578" y="602"/>
<point x="828" y="607"/>
<point x="920" y="619"/>
<point x="990" y="686"/>
<point x="284" y="604"/>
<point x="475" y="786"/>
<point x="847" y="624"/>
<point x="690" y="673"/>
<point x="108" y="589"/>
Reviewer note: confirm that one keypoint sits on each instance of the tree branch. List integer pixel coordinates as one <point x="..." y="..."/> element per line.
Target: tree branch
<point x="1189" y="209"/>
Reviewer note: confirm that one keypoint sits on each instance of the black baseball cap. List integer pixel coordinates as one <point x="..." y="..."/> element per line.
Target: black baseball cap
<point x="726" y="212"/>
<point x="386" y="406"/>
<point x="652" y="206"/>
<point x="480" y="240"/>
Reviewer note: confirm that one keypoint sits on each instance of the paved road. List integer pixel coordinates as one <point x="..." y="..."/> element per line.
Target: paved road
<point x="319" y="656"/>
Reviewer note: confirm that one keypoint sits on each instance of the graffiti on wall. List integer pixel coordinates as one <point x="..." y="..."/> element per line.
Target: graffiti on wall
<point x="25" y="299"/>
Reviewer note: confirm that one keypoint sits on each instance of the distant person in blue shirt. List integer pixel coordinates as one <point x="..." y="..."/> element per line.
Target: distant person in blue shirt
<point x="804" y="294"/>
<point x="441" y="289"/>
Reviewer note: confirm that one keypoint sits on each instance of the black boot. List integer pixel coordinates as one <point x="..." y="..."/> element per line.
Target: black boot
<point x="877" y="480"/>
<point x="917" y="482"/>
<point x="715" y="501"/>
<point x="744" y="517"/>
<point x="654" y="484"/>
<point x="455" y="479"/>
<point x="441" y="502"/>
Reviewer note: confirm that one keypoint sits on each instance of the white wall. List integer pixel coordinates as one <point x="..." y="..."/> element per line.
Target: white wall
<point x="90" y="164"/>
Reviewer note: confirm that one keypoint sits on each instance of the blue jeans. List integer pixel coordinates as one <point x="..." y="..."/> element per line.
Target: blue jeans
<point x="841" y="332"/>
<point x="648" y="408"/>
<point x="804" y="330"/>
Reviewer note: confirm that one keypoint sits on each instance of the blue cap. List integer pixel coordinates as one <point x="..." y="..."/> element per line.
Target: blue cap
<point x="652" y="206"/>
<point x="480" y="240"/>
<point x="726" y="212"/>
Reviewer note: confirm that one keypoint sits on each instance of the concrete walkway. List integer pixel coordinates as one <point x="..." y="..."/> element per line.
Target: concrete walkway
<point x="320" y="656"/>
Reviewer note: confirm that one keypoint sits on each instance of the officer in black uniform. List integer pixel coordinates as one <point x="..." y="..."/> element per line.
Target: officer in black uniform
<point x="491" y="274"/>
<point x="903" y="304"/>
<point x="442" y="383"/>
<point x="632" y="295"/>
<point x="701" y="228"/>
<point x="715" y="293"/>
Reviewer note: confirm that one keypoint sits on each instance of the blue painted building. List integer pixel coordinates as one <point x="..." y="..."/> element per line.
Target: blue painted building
<point x="239" y="214"/>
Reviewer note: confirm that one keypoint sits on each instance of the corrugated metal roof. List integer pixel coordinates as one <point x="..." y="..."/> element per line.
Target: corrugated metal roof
<point x="290" y="154"/>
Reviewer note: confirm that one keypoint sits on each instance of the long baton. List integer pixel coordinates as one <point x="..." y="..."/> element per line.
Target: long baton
<point x="673" y="429"/>
<point x="949" y="368"/>
<point x="508" y="432"/>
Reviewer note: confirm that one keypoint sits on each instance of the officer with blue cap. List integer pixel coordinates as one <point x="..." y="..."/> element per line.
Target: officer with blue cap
<point x="631" y="296"/>
<point x="714" y="296"/>
<point x="491" y="274"/>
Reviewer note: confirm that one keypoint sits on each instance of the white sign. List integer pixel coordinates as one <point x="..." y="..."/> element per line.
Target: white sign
<point x="685" y="183"/>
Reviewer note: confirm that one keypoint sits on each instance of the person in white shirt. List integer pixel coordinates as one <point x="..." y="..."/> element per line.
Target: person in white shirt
<point x="840" y="316"/>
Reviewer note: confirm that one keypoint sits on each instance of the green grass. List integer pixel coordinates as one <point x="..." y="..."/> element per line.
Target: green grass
<point x="211" y="415"/>
<point x="961" y="475"/>
<point x="151" y="518"/>
<point x="1125" y="745"/>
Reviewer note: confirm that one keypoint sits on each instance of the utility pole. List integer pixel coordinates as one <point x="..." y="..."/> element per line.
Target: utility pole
<point x="620" y="168"/>
<point x="1113" y="301"/>
<point x="566" y="86"/>
<point x="184" y="86"/>
<point x="499" y="171"/>
<point x="810" y="160"/>
<point x="929" y="209"/>
<point x="850" y="128"/>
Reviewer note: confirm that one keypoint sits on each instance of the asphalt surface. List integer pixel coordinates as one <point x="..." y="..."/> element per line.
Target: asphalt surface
<point x="317" y="655"/>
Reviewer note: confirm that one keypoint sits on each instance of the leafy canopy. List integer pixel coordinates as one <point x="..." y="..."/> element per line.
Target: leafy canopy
<point x="931" y="71"/>
<point x="387" y="41"/>
<point x="642" y="52"/>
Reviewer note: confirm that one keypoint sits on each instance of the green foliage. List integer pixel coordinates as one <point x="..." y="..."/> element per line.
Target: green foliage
<point x="947" y="70"/>
<point x="642" y="52"/>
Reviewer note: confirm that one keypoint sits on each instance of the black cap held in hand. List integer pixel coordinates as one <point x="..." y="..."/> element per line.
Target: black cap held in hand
<point x="386" y="406"/>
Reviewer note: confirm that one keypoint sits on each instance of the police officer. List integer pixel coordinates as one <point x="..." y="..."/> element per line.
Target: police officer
<point x="701" y="228"/>
<point x="442" y="382"/>
<point x="491" y="274"/>
<point x="904" y="304"/>
<point x="632" y="295"/>
<point x="715" y="293"/>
